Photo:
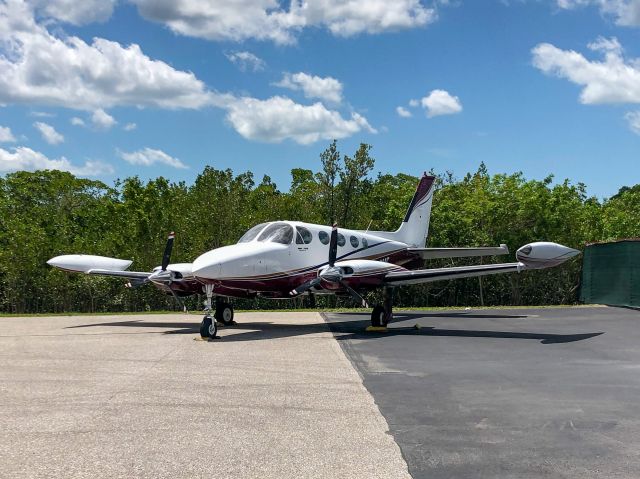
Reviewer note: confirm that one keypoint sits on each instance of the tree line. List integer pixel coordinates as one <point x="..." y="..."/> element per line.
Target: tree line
<point x="47" y="213"/>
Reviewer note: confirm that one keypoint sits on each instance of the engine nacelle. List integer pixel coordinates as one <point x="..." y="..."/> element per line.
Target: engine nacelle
<point x="81" y="263"/>
<point x="544" y="254"/>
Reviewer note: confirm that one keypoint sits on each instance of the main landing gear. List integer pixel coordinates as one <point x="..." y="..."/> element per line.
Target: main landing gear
<point x="382" y="314"/>
<point x="223" y="314"/>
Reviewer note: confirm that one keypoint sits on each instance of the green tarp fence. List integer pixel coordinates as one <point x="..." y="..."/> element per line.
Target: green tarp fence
<point x="611" y="273"/>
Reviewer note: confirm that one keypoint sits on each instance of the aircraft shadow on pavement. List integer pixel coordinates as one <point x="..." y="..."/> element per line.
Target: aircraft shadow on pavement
<point x="402" y="315"/>
<point x="343" y="330"/>
<point x="181" y="327"/>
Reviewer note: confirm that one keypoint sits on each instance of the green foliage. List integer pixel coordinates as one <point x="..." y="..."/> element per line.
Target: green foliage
<point x="48" y="213"/>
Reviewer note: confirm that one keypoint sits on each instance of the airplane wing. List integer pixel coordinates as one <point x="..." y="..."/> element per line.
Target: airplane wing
<point x="432" y="253"/>
<point x="120" y="274"/>
<point x="538" y="255"/>
<point x="399" y="278"/>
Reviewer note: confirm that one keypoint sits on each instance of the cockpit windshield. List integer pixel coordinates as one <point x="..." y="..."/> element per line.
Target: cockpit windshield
<point x="277" y="233"/>
<point x="252" y="233"/>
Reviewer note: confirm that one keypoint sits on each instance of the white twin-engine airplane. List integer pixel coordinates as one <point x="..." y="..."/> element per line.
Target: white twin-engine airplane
<point x="285" y="259"/>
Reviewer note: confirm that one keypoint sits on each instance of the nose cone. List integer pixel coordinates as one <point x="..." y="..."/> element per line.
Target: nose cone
<point x="544" y="254"/>
<point x="233" y="261"/>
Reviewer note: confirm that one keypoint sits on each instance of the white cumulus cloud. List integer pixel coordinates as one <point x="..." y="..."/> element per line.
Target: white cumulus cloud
<point x="239" y="20"/>
<point x="328" y="89"/>
<point x="441" y="102"/>
<point x="612" y="80"/>
<point x="49" y="68"/>
<point x="403" y="112"/>
<point x="150" y="156"/>
<point x="73" y="11"/>
<point x="633" y="120"/>
<point x="130" y="127"/>
<point x="624" y="12"/>
<point x="49" y="133"/>
<point x="6" y="136"/>
<point x="246" y="61"/>
<point x="280" y="118"/>
<point x="41" y="68"/>
<point x="23" y="158"/>
<point x="101" y="119"/>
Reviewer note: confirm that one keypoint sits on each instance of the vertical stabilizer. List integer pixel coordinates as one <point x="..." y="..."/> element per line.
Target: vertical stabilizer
<point x="414" y="227"/>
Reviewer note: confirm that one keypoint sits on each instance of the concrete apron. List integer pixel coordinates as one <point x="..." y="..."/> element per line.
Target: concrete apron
<point x="136" y="396"/>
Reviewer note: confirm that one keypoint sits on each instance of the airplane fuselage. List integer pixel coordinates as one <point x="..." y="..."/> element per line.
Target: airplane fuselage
<point x="271" y="265"/>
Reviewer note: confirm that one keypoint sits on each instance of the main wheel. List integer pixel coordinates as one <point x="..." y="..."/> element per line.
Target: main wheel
<point x="378" y="317"/>
<point x="224" y="313"/>
<point x="208" y="328"/>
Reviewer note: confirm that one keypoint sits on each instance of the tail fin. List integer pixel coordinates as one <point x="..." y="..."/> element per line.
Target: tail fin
<point x="415" y="226"/>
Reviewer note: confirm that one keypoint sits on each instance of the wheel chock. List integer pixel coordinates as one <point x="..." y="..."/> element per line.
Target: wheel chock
<point x="376" y="329"/>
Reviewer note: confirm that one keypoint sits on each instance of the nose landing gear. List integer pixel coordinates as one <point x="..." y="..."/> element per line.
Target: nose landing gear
<point x="223" y="314"/>
<point x="208" y="326"/>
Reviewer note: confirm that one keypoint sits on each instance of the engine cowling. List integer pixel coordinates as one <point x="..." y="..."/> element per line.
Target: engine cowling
<point x="544" y="254"/>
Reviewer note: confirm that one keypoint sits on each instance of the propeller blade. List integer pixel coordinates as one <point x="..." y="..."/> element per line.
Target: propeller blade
<point x="167" y="251"/>
<point x="305" y="286"/>
<point x="355" y="294"/>
<point x="333" y="245"/>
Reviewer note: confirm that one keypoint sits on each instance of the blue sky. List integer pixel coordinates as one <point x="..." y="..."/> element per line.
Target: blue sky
<point x="165" y="87"/>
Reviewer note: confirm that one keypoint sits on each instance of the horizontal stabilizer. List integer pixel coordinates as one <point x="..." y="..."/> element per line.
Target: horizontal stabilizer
<point x="433" y="253"/>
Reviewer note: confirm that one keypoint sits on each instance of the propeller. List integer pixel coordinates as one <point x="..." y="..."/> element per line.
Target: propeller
<point x="167" y="251"/>
<point x="333" y="245"/>
<point x="331" y="274"/>
<point x="164" y="276"/>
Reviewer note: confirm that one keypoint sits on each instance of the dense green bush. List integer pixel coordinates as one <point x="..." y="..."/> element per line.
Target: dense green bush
<point x="47" y="213"/>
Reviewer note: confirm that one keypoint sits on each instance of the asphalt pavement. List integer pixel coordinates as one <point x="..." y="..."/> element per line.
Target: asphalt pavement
<point x="506" y="393"/>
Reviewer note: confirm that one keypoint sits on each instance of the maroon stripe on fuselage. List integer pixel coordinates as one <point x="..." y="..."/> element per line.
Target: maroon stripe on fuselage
<point x="278" y="285"/>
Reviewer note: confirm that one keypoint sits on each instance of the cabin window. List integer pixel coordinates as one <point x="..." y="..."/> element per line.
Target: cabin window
<point x="324" y="237"/>
<point x="277" y="233"/>
<point x="341" y="239"/>
<point x="354" y="241"/>
<point x="303" y="235"/>
<point x="252" y="233"/>
<point x="365" y="243"/>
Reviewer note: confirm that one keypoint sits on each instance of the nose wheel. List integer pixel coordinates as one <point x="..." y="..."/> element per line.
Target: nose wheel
<point x="208" y="328"/>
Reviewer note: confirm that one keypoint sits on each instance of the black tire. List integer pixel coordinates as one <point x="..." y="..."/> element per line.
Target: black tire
<point x="224" y="314"/>
<point x="205" y="327"/>
<point x="378" y="317"/>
